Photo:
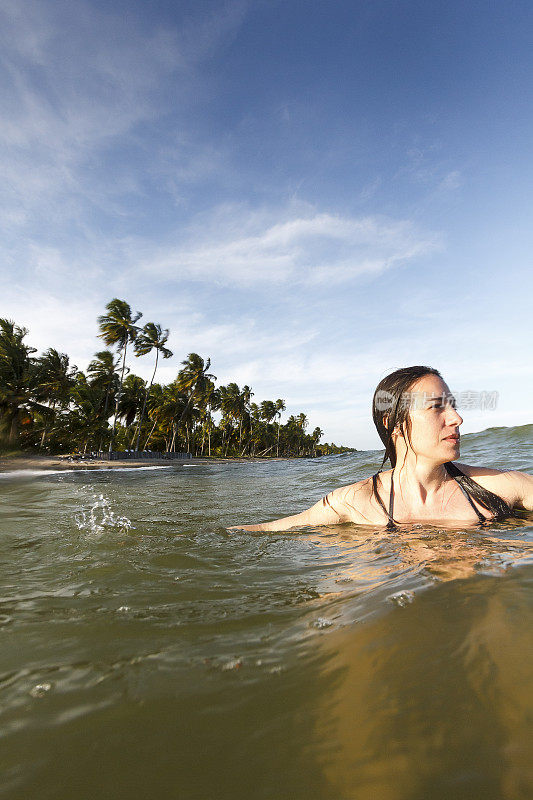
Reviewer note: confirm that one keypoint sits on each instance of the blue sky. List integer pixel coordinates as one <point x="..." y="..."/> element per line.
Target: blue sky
<point x="312" y="194"/>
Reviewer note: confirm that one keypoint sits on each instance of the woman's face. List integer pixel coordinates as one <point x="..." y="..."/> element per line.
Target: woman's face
<point x="434" y="422"/>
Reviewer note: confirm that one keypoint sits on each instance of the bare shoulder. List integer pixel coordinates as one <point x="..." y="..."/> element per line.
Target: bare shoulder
<point x="479" y="472"/>
<point x="352" y="490"/>
<point x="354" y="500"/>
<point x="511" y="484"/>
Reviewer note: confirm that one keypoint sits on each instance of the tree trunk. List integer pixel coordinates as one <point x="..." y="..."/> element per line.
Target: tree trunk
<point x="43" y="437"/>
<point x="118" y="396"/>
<point x="100" y="444"/>
<point x="172" y="443"/>
<point x="150" y="435"/>
<point x="227" y="444"/>
<point x="203" y="439"/>
<point x="14" y="428"/>
<point x="146" y="396"/>
<point x="223" y="437"/>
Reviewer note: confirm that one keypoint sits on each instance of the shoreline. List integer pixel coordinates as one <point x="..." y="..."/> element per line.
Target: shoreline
<point x="35" y="462"/>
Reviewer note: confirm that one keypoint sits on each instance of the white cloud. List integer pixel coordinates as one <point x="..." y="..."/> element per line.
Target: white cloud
<point x="314" y="247"/>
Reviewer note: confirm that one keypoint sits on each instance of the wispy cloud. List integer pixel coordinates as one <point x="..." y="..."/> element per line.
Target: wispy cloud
<point x="312" y="248"/>
<point x="77" y="81"/>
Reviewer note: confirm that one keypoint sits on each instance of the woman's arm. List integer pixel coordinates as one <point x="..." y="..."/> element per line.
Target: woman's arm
<point x="331" y="510"/>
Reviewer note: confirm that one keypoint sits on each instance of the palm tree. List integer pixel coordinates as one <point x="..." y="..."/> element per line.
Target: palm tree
<point x="17" y="403"/>
<point x="102" y="372"/>
<point x="280" y="406"/>
<point x="302" y="423"/>
<point x="268" y="410"/>
<point x="118" y="327"/>
<point x="208" y="400"/>
<point x="153" y="406"/>
<point x="193" y="379"/>
<point x="291" y="435"/>
<point x="86" y="420"/>
<point x="246" y="395"/>
<point x="131" y="399"/>
<point x="316" y="437"/>
<point x="54" y="381"/>
<point x="257" y="428"/>
<point x="152" y="337"/>
<point x="230" y="403"/>
<point x="173" y="407"/>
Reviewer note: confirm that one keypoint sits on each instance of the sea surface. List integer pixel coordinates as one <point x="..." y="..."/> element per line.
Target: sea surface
<point x="146" y="652"/>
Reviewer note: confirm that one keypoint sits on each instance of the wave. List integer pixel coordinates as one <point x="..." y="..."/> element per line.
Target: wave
<point x="513" y="433"/>
<point x="40" y="473"/>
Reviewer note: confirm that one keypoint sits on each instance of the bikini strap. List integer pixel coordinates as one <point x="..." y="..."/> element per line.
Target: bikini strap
<point x="391" y="500"/>
<point x="391" y="525"/>
<point x="457" y="475"/>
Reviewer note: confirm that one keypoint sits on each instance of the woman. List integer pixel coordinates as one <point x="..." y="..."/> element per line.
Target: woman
<point x="414" y="413"/>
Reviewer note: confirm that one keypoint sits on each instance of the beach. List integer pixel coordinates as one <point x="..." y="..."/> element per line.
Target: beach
<point x="69" y="462"/>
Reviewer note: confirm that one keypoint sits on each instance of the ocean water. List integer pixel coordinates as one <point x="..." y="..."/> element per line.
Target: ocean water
<point x="145" y="652"/>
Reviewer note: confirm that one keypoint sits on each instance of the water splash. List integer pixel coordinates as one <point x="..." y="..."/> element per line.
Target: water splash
<point x="322" y="622"/>
<point x="40" y="690"/>
<point x="100" y="517"/>
<point x="402" y="599"/>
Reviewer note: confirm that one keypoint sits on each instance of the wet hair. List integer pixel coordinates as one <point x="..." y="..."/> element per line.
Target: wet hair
<point x="390" y="412"/>
<point x="388" y="405"/>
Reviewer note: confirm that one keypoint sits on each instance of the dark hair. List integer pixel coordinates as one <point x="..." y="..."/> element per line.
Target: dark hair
<point x="387" y="405"/>
<point x="390" y="412"/>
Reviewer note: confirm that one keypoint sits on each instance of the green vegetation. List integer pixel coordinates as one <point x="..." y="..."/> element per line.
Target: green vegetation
<point x="47" y="405"/>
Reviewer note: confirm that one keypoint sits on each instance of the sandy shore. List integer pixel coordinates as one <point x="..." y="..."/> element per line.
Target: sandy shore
<point x="34" y="462"/>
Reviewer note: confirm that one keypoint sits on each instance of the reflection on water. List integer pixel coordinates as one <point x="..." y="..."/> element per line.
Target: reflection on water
<point x="147" y="652"/>
<point x="436" y="698"/>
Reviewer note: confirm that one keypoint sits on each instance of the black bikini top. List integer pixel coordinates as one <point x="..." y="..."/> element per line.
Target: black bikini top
<point x="451" y="469"/>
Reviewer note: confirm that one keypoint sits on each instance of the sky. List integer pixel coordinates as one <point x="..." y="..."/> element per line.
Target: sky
<point x="311" y="194"/>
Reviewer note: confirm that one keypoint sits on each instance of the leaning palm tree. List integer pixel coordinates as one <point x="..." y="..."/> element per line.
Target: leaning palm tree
<point x="118" y="327"/>
<point x="152" y="337"/>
